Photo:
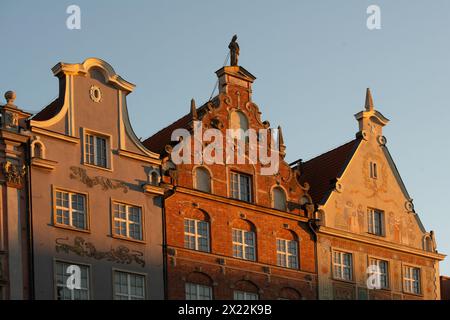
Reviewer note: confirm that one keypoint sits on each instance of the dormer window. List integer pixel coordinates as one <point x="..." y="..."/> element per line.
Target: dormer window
<point x="373" y="170"/>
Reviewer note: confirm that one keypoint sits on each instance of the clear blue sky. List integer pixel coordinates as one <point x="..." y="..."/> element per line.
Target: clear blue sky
<point x="313" y="61"/>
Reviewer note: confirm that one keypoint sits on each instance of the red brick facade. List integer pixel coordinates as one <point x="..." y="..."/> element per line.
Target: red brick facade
<point x="218" y="268"/>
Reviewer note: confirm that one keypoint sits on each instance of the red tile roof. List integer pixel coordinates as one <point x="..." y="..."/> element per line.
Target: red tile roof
<point x="321" y="172"/>
<point x="159" y="140"/>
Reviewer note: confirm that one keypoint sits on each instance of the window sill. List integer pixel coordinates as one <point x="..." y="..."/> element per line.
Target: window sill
<point x="62" y="226"/>
<point x="345" y="281"/>
<point x="128" y="239"/>
<point x="413" y="294"/>
<point x="97" y="167"/>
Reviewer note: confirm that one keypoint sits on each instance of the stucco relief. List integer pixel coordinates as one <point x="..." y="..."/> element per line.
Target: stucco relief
<point x="106" y="183"/>
<point x="81" y="247"/>
<point x="394" y="223"/>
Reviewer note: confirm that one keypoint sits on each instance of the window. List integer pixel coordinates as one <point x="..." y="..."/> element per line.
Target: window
<point x="373" y="170"/>
<point x="202" y="180"/>
<point x="279" y="199"/>
<point x="37" y="150"/>
<point x="239" y="125"/>
<point x="244" y="244"/>
<point x="196" y="235"/>
<point x="198" y="292"/>
<point x="127" y="221"/>
<point x="61" y="277"/>
<point x="95" y="150"/>
<point x="287" y="253"/>
<point x="342" y="265"/>
<point x="71" y="209"/>
<point x="382" y="272"/>
<point x="376" y="222"/>
<point x="411" y="280"/>
<point x="241" y="186"/>
<point x="242" y="295"/>
<point x="129" y="286"/>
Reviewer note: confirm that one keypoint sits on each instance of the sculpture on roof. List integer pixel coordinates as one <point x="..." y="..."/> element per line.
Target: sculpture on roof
<point x="234" y="51"/>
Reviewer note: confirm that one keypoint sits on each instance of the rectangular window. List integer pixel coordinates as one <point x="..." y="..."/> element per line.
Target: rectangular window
<point x="342" y="265"/>
<point x="373" y="170"/>
<point x="287" y="255"/>
<point x="127" y="221"/>
<point x="242" y="295"/>
<point x="381" y="271"/>
<point x="71" y="209"/>
<point x="196" y="235"/>
<point x="376" y="222"/>
<point x="241" y="187"/>
<point x="198" y="292"/>
<point x="95" y="150"/>
<point x="411" y="280"/>
<point x="62" y="274"/>
<point x="129" y="286"/>
<point x="244" y="244"/>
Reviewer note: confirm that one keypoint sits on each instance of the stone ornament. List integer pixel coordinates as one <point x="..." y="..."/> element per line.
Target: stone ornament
<point x="95" y="94"/>
<point x="106" y="183"/>
<point x="382" y="140"/>
<point x="14" y="174"/>
<point x="121" y="254"/>
<point x="409" y="206"/>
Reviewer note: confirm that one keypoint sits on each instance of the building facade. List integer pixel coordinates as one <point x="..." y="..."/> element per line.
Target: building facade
<point x="371" y="243"/>
<point x="233" y="232"/>
<point x="96" y="200"/>
<point x="14" y="213"/>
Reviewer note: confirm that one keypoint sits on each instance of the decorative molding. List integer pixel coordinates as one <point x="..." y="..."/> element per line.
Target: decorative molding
<point x="43" y="163"/>
<point x="13" y="174"/>
<point x="96" y="94"/>
<point x="121" y="254"/>
<point x="106" y="183"/>
<point x="55" y="135"/>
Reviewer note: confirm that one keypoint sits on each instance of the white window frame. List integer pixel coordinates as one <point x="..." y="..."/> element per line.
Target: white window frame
<point x="236" y="193"/>
<point x="65" y="265"/>
<point x="372" y="216"/>
<point x="96" y="157"/>
<point x="285" y="255"/>
<point x="243" y="245"/>
<point x="197" y="291"/>
<point x="196" y="235"/>
<point x="408" y="280"/>
<point x="341" y="265"/>
<point x="245" y="295"/>
<point x="70" y="209"/>
<point x="128" y="295"/>
<point x="376" y="262"/>
<point x="127" y="220"/>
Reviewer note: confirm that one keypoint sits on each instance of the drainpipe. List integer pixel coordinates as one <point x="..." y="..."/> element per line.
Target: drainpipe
<point x="312" y="225"/>
<point x="29" y="210"/>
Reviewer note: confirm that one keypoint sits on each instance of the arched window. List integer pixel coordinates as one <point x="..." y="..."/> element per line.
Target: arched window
<point x="245" y="290"/>
<point x="278" y="199"/>
<point x="198" y="286"/>
<point x="202" y="179"/>
<point x="239" y="124"/>
<point x="37" y="150"/>
<point x="289" y="294"/>
<point x="244" y="240"/>
<point x="154" y="178"/>
<point x="428" y="244"/>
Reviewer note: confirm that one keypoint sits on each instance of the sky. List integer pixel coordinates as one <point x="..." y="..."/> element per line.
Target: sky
<point x="313" y="61"/>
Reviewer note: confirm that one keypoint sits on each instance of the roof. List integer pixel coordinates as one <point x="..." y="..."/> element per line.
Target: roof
<point x="159" y="140"/>
<point x="321" y="172"/>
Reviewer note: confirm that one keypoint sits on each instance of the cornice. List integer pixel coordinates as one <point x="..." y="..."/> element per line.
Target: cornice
<point x="241" y="204"/>
<point x="377" y="242"/>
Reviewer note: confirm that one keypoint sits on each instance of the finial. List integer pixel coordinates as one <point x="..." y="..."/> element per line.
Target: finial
<point x="10" y="96"/>
<point x="234" y="51"/>
<point x="193" y="109"/>
<point x="280" y="136"/>
<point x="369" y="100"/>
